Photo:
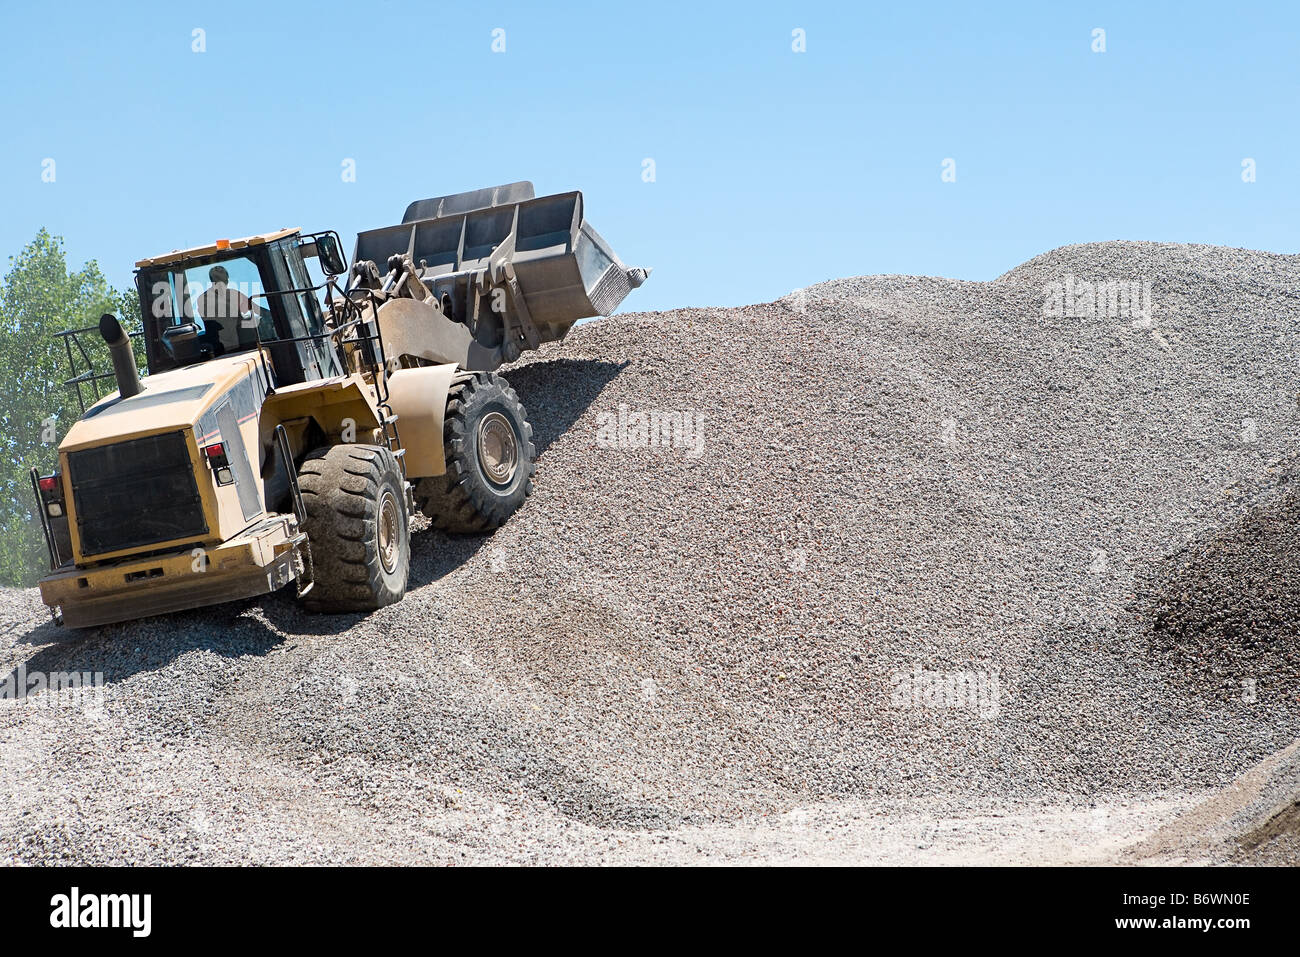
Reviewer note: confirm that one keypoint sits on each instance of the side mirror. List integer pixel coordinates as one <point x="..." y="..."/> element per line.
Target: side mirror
<point x="331" y="256"/>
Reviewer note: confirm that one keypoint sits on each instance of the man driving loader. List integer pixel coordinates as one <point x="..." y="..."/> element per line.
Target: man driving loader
<point x="228" y="311"/>
<point x="228" y="476"/>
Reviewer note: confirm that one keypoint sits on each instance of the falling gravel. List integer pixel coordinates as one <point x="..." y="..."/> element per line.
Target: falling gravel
<point x="893" y="546"/>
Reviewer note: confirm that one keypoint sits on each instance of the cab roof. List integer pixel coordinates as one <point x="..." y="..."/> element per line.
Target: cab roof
<point x="176" y="255"/>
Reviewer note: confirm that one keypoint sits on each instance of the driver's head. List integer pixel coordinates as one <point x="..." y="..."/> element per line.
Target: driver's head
<point x="218" y="274"/>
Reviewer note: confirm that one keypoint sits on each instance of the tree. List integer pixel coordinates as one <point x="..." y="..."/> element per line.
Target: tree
<point x="39" y="298"/>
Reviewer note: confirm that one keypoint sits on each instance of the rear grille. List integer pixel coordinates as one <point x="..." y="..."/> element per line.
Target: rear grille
<point x="135" y="493"/>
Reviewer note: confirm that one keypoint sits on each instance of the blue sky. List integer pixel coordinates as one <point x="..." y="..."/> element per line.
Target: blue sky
<point x="773" y="169"/>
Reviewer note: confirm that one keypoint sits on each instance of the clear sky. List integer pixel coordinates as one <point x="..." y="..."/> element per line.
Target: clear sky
<point x="773" y="169"/>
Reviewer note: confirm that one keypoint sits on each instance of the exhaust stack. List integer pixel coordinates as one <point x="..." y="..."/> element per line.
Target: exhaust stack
<point x="119" y="345"/>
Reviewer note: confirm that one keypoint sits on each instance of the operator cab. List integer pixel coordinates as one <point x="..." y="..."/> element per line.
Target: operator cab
<point x="236" y="296"/>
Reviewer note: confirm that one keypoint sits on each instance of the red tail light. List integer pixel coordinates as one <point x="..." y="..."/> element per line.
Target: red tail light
<point x="215" y="451"/>
<point x="49" y="483"/>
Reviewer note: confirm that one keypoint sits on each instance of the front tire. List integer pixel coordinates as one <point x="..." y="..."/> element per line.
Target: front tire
<point x="488" y="445"/>
<point x="354" y="497"/>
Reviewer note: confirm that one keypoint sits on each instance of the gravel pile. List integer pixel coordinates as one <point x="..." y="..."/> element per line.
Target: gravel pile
<point x="914" y="542"/>
<point x="1255" y="820"/>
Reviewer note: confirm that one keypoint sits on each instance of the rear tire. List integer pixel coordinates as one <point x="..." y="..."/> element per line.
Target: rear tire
<point x="354" y="497"/>
<point x="488" y="445"/>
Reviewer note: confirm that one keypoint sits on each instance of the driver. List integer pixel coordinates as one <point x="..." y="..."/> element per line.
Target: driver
<point x="226" y="307"/>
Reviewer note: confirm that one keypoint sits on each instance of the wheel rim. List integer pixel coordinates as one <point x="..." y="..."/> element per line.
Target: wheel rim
<point x="498" y="452"/>
<point x="389" y="532"/>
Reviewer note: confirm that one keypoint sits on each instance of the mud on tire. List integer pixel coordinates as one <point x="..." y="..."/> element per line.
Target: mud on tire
<point x="488" y="445"/>
<point x="354" y="497"/>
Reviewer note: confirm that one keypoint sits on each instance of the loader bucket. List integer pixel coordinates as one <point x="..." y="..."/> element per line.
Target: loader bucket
<point x="556" y="267"/>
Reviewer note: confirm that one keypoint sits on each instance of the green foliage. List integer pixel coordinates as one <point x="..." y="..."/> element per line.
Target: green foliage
<point x="40" y="297"/>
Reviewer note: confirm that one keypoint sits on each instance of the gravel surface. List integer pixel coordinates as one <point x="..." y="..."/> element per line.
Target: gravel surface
<point x="926" y="554"/>
<point x="1255" y="820"/>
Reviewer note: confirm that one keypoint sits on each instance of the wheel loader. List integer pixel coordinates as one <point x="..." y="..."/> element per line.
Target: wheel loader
<point x="292" y="418"/>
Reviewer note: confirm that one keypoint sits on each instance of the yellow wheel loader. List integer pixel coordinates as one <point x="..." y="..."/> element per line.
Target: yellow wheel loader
<point x="296" y="411"/>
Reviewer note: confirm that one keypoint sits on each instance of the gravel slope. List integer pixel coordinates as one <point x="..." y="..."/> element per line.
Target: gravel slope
<point x="1254" y="820"/>
<point x="899" y="477"/>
